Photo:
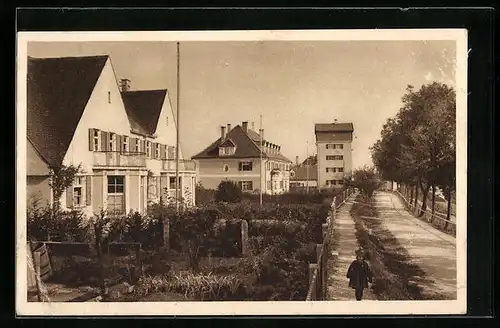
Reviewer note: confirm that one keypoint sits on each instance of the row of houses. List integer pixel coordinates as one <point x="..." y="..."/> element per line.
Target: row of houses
<point x="78" y="113"/>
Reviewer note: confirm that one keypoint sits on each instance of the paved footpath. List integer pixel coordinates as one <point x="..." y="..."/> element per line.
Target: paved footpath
<point x="338" y="290"/>
<point x="432" y="250"/>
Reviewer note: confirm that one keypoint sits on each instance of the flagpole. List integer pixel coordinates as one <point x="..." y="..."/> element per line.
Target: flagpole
<point x="261" y="164"/>
<point x="177" y="131"/>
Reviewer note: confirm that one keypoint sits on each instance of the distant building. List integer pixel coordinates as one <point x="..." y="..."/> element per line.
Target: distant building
<point x="304" y="175"/>
<point x="236" y="156"/>
<point x="334" y="149"/>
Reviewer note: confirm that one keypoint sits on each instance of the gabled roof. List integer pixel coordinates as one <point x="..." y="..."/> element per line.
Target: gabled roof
<point x="300" y="173"/>
<point x="247" y="146"/>
<point x="58" y="90"/>
<point x="143" y="109"/>
<point x="227" y="143"/>
<point x="333" y="127"/>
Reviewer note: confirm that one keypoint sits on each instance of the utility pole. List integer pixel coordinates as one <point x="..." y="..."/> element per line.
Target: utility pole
<point x="261" y="164"/>
<point x="307" y="167"/>
<point x="177" y="131"/>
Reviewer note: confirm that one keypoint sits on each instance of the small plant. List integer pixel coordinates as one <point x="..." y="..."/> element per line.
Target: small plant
<point x="228" y="191"/>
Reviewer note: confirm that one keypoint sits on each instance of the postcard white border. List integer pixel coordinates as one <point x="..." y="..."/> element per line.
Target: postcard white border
<point x="457" y="306"/>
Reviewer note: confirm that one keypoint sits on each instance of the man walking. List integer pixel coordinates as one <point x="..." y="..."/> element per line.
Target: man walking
<point x="359" y="274"/>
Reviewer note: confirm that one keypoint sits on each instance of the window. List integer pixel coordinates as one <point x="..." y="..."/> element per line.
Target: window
<point x="334" y="157"/>
<point x="157" y="150"/>
<point x="281" y="184"/>
<point x="226" y="151"/>
<point x="112" y="142"/>
<point x="340" y="182"/>
<point x="96" y="140"/>
<point x="225" y="168"/>
<point x="172" y="184"/>
<point x="245" y="185"/>
<point x="268" y="166"/>
<point x="269" y="185"/>
<point x="109" y="97"/>
<point x="340" y="169"/>
<point x="125" y="144"/>
<point x="148" y="148"/>
<point x="245" y="166"/>
<point x="78" y="185"/>
<point x="137" y="145"/>
<point x="116" y="196"/>
<point x="334" y="146"/>
<point x="331" y="170"/>
<point x="330" y="182"/>
<point x="166" y="120"/>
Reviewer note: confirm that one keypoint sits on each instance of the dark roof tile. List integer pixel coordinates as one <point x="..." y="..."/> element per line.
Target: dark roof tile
<point x="333" y="127"/>
<point x="143" y="109"/>
<point x="58" y="90"/>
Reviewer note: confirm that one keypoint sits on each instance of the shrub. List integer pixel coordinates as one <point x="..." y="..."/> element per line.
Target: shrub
<point x="204" y="196"/>
<point x="228" y="191"/>
<point x="47" y="223"/>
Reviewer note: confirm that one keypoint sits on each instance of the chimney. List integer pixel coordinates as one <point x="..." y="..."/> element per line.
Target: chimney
<point x="222" y="132"/>
<point x="261" y="132"/>
<point x="124" y="85"/>
<point x="253" y="126"/>
<point x="335" y="121"/>
<point x="228" y="128"/>
<point x="297" y="160"/>
<point x="244" y="125"/>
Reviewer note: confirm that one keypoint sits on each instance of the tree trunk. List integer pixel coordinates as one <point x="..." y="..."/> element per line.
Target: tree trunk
<point x="411" y="194"/>
<point x="448" y="211"/>
<point x="416" y="198"/>
<point x="424" y="198"/>
<point x="433" y="198"/>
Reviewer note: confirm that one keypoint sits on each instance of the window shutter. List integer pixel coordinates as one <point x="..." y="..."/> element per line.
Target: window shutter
<point x="119" y="143"/>
<point x="143" y="146"/>
<point x="88" y="190"/>
<point x="104" y="141"/>
<point x="171" y="152"/>
<point x="69" y="197"/>
<point x="133" y="144"/>
<point x="153" y="149"/>
<point x="163" y="152"/>
<point x="91" y="139"/>
<point x="240" y="166"/>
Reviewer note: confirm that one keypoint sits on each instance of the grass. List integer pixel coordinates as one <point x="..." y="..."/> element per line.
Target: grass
<point x="391" y="265"/>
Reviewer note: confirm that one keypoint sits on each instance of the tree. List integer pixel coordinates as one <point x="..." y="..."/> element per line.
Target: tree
<point x="228" y="191"/>
<point x="417" y="147"/>
<point x="366" y="180"/>
<point x="62" y="177"/>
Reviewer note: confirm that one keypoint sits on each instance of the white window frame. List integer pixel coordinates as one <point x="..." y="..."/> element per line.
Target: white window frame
<point x="247" y="164"/>
<point x="148" y="148"/>
<point x="125" y="143"/>
<point x="79" y="183"/>
<point x="116" y="194"/>
<point x="138" y="146"/>
<point x="112" y="141"/>
<point x="246" y="185"/>
<point x="96" y="140"/>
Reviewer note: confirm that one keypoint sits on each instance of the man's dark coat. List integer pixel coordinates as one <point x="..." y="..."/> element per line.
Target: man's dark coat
<point x="359" y="274"/>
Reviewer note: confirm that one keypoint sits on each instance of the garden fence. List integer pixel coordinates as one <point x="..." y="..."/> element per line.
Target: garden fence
<point x="436" y="219"/>
<point x="318" y="271"/>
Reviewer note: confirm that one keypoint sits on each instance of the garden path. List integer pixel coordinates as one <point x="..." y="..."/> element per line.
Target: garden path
<point x="345" y="242"/>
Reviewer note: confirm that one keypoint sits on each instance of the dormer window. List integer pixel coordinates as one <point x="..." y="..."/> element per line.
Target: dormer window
<point x="227" y="148"/>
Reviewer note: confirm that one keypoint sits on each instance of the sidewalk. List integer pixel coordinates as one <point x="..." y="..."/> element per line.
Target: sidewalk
<point x="338" y="289"/>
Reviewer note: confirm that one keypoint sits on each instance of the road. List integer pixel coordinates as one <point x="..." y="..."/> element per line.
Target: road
<point x="432" y="250"/>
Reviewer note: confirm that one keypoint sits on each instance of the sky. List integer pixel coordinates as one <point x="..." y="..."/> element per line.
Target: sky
<point x="292" y="84"/>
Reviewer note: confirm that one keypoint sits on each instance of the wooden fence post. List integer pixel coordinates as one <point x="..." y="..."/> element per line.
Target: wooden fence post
<point x="244" y="238"/>
<point x="312" y="267"/>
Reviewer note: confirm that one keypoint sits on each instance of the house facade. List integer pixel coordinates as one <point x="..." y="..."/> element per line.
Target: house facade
<point x="78" y="115"/>
<point x="334" y="149"/>
<point x="236" y="156"/>
<point x="304" y="176"/>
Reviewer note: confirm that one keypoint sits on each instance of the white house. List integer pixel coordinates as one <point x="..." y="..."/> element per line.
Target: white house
<point x="77" y="114"/>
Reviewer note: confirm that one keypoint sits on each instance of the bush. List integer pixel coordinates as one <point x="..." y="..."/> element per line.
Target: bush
<point x="47" y="223"/>
<point x="228" y="191"/>
<point x="204" y="196"/>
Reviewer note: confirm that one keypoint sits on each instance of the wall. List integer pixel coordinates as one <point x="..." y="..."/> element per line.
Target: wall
<point x="103" y="115"/>
<point x="211" y="172"/>
<point x="38" y="188"/>
<point x="322" y="140"/>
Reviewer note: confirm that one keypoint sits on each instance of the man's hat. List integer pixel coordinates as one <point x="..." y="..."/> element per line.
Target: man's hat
<point x="360" y="251"/>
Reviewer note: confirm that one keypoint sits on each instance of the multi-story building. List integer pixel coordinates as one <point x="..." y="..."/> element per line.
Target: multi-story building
<point x="236" y="156"/>
<point x="123" y="140"/>
<point x="333" y="143"/>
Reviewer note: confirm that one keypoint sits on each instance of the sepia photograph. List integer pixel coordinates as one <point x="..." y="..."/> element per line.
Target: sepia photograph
<point x="241" y="172"/>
